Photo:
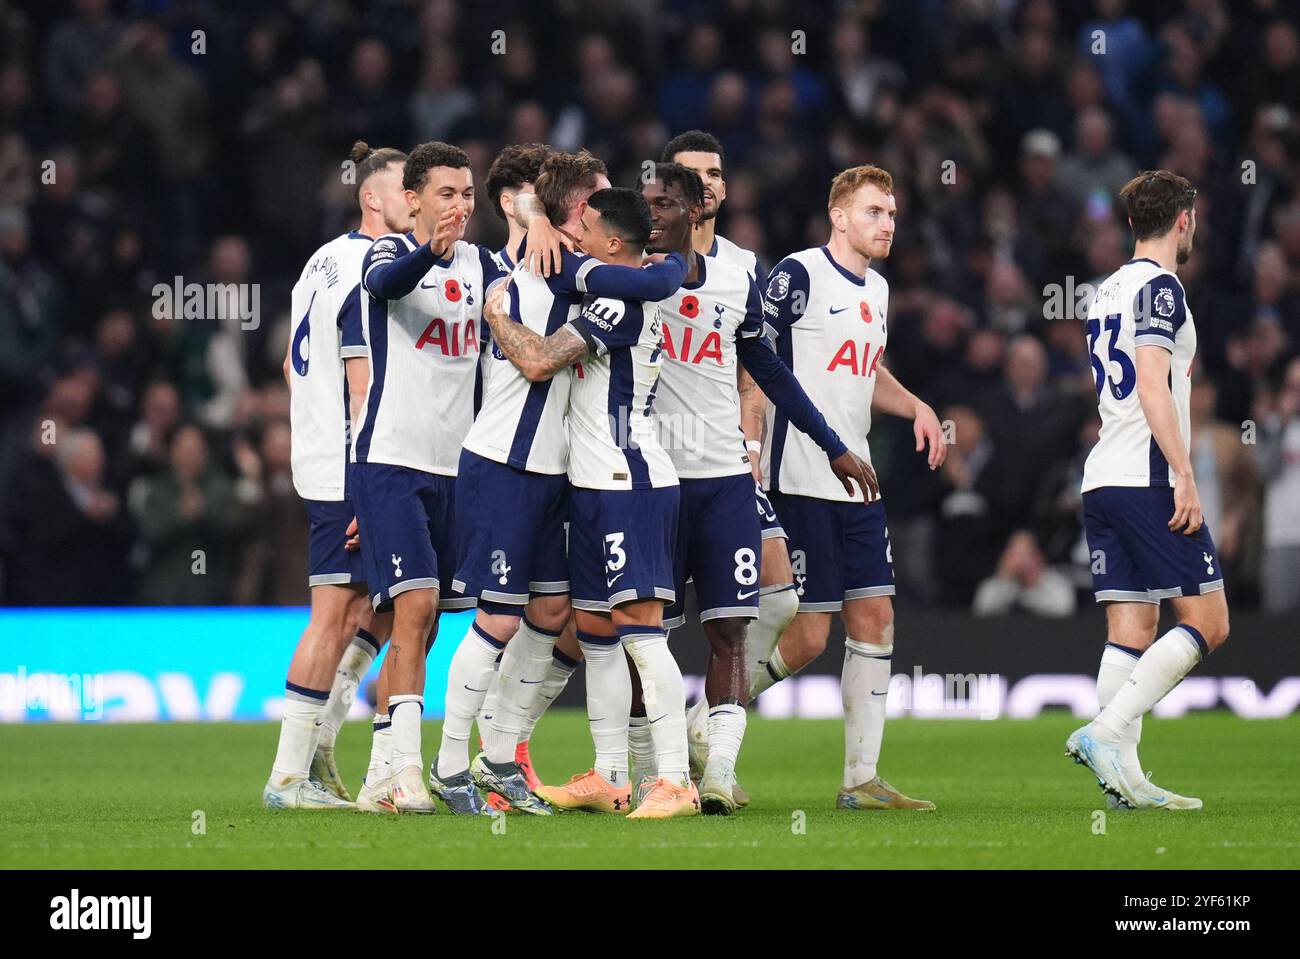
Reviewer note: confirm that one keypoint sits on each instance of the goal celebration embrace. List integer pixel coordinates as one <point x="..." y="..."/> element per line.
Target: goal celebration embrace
<point x="482" y="429"/>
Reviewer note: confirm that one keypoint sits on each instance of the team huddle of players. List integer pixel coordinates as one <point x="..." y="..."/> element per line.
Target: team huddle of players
<point x="563" y="433"/>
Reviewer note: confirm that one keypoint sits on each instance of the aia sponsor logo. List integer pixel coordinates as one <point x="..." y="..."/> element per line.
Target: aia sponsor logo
<point x="681" y="345"/>
<point x="847" y="358"/>
<point x="451" y="338"/>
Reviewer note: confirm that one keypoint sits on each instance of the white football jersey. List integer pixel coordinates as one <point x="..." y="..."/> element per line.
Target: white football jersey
<point x="1140" y="304"/>
<point x="522" y="423"/>
<point x="424" y="354"/>
<point x="613" y="436"/>
<point x="829" y="328"/>
<point x="697" y="403"/>
<point x="326" y="329"/>
<point x="727" y="252"/>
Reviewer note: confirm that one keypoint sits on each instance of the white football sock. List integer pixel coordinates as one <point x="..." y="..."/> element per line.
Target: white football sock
<point x="523" y="670"/>
<point x="558" y="673"/>
<point x="467" y="683"/>
<point x="302" y="707"/>
<point x="642" y="745"/>
<point x="489" y="707"/>
<point x="864" y="687"/>
<point x="726" y="732"/>
<point x="697" y="721"/>
<point x="405" y="713"/>
<point x="609" y="700"/>
<point x="777" y="607"/>
<point x="768" y="674"/>
<point x="664" y="695"/>
<point x="1161" y="668"/>
<point x="381" y="744"/>
<point x="356" y="662"/>
<point x="1117" y="664"/>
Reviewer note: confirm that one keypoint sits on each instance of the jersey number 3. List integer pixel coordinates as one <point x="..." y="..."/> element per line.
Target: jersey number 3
<point x="1100" y="365"/>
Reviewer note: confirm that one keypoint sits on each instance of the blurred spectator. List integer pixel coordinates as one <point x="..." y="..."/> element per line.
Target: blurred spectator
<point x="1094" y="167"/>
<point x="1228" y="483"/>
<point x="1279" y="452"/>
<point x="272" y="568"/>
<point x="188" y="519"/>
<point x="70" y="531"/>
<point x="1024" y="582"/>
<point x="968" y="538"/>
<point x="77" y="47"/>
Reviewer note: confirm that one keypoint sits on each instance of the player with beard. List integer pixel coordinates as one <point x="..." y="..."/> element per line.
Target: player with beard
<point x="778" y="603"/>
<point x="828" y="311"/>
<point x="1141" y="508"/>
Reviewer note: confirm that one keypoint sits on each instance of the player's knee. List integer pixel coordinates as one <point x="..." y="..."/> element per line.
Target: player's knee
<point x="549" y="612"/>
<point x="417" y="607"/>
<point x="726" y="636"/>
<point x="1216" y="632"/>
<point x="875" y="625"/>
<point x="803" y="645"/>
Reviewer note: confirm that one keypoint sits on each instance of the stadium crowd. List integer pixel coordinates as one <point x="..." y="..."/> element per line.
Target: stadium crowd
<point x="147" y="141"/>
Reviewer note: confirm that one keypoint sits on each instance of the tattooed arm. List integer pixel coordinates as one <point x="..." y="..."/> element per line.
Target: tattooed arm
<point x="537" y="357"/>
<point x="753" y="406"/>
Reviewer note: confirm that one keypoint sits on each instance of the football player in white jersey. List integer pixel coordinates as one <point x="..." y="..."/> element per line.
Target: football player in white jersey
<point x="514" y="562"/>
<point x="1141" y="510"/>
<point x="624" y="500"/>
<point x="828" y="310"/>
<point x="711" y="325"/>
<point x="514" y="171"/>
<point x="778" y="603"/>
<point x="421" y="308"/>
<point x="342" y="636"/>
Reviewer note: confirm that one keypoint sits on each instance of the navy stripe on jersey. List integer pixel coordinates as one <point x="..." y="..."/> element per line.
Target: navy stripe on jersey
<point x="619" y="408"/>
<point x="378" y="361"/>
<point x="535" y="403"/>
<point x="785" y="350"/>
<point x="352" y="341"/>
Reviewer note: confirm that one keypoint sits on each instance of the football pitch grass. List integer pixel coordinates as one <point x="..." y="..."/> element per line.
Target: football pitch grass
<point x="133" y="796"/>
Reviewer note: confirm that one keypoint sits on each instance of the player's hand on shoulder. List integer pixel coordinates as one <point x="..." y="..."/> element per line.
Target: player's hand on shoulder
<point x="927" y="430"/>
<point x="849" y="468"/>
<point x="544" y="247"/>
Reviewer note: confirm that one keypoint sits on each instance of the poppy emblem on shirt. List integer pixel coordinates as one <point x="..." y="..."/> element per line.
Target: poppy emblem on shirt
<point x="866" y="311"/>
<point x="690" y="307"/>
<point x="451" y="290"/>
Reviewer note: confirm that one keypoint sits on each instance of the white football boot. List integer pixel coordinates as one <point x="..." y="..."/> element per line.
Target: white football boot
<point x="301" y="794"/>
<point x="376" y="798"/>
<point x="1147" y="795"/>
<point x="1104" y="759"/>
<point x="409" y="793"/>
<point x="326" y="772"/>
<point x="717" y="789"/>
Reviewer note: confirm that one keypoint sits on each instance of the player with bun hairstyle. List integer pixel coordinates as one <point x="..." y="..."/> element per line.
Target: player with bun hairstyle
<point x="327" y="367"/>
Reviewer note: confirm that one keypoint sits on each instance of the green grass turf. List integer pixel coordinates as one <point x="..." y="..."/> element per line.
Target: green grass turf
<point x="124" y="796"/>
